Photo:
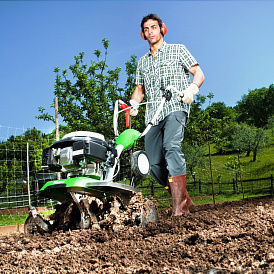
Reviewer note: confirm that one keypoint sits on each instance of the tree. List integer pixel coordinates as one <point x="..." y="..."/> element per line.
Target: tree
<point x="219" y="111"/>
<point x="256" y="107"/>
<point x="194" y="157"/>
<point x="87" y="101"/>
<point x="201" y="127"/>
<point x="247" y="138"/>
<point x="13" y="155"/>
<point x="270" y="124"/>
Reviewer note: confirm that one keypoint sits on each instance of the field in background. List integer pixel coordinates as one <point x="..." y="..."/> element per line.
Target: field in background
<point x="231" y="180"/>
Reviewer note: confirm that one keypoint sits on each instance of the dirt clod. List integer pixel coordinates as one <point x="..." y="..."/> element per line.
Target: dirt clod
<point x="231" y="237"/>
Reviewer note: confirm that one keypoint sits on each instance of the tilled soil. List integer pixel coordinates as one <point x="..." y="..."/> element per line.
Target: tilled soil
<point x="231" y="237"/>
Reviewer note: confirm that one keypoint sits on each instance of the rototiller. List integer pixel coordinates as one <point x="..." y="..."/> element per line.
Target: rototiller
<point x="89" y="165"/>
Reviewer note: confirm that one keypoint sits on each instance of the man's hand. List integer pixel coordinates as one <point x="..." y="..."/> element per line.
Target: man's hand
<point x="187" y="94"/>
<point x="134" y="109"/>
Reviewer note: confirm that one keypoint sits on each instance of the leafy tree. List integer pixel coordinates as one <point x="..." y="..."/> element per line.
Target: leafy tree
<point x="192" y="130"/>
<point x="201" y="127"/>
<point x="247" y="138"/>
<point x="219" y="111"/>
<point x="256" y="107"/>
<point x="270" y="124"/>
<point x="87" y="101"/>
<point x="13" y="155"/>
<point x="194" y="157"/>
<point x="210" y="96"/>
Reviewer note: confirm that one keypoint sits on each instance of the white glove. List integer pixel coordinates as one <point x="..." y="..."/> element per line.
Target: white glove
<point x="187" y="95"/>
<point x="134" y="109"/>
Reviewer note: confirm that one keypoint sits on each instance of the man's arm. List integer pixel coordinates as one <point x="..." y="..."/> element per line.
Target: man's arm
<point x="198" y="75"/>
<point x="138" y="94"/>
<point x="198" y="79"/>
<point x="136" y="98"/>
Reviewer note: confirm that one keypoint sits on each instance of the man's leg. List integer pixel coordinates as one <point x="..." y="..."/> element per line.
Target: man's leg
<point x="154" y="150"/>
<point x="173" y="137"/>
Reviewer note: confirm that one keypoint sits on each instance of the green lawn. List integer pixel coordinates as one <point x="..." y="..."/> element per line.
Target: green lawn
<point x="263" y="167"/>
<point x="19" y="219"/>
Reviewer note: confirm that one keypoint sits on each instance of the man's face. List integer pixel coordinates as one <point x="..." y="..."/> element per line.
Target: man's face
<point x="152" y="31"/>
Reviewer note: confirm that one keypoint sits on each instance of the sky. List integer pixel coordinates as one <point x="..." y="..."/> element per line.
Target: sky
<point x="233" y="42"/>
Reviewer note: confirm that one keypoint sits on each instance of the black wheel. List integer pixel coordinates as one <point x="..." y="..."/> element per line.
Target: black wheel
<point x="140" y="164"/>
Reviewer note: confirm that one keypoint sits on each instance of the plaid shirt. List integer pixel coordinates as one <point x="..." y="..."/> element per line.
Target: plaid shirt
<point x="170" y="67"/>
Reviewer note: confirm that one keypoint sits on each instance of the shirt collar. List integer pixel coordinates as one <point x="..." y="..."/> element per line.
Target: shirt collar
<point x="159" y="49"/>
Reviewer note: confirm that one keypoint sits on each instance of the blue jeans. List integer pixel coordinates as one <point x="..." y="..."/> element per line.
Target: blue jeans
<point x="163" y="147"/>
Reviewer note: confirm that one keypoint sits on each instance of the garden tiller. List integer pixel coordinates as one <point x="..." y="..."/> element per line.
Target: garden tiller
<point x="88" y="193"/>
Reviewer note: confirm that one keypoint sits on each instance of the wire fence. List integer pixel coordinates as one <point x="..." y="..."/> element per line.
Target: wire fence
<point x="198" y="189"/>
<point x="12" y="199"/>
<point x="229" y="178"/>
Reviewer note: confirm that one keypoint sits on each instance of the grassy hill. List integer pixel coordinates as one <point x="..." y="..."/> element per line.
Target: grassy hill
<point x="226" y="167"/>
<point x="226" y="177"/>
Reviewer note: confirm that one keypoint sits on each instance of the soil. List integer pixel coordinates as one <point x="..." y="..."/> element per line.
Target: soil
<point x="230" y="237"/>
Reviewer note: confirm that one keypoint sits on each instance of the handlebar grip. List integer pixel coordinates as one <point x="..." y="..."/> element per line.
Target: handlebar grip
<point x="127" y="113"/>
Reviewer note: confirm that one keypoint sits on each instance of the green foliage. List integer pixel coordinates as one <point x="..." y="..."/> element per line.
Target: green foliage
<point x="256" y="107"/>
<point x="247" y="138"/>
<point x="243" y="137"/>
<point x="232" y="165"/>
<point x="194" y="156"/>
<point x="87" y="93"/>
<point x="210" y="124"/>
<point x="220" y="111"/>
<point x="17" y="219"/>
<point x="226" y="167"/>
<point x="270" y="125"/>
<point x="202" y="128"/>
<point x="13" y="155"/>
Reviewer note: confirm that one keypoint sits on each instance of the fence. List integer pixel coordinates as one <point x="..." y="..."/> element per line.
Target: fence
<point x="11" y="199"/>
<point x="246" y="188"/>
<point x="14" y="175"/>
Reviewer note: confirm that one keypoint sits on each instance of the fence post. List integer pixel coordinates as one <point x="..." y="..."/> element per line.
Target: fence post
<point x="152" y="189"/>
<point x="200" y="186"/>
<point x="57" y="128"/>
<point x="210" y="164"/>
<point x="35" y="202"/>
<point x="28" y="173"/>
<point x="242" y="186"/>
<point x="271" y="179"/>
<point x="234" y="186"/>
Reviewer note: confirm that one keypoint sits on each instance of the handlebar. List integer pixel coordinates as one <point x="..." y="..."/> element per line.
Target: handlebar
<point x="125" y="106"/>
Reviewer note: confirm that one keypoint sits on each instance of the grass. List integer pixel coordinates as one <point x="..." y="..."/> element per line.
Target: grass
<point x="225" y="171"/>
<point x="19" y="219"/>
<point x="226" y="166"/>
<point x="13" y="219"/>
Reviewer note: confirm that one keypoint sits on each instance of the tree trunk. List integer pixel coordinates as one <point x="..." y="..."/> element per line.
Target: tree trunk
<point x="254" y="155"/>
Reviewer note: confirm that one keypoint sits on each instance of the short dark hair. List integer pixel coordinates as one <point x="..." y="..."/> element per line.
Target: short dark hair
<point x="153" y="17"/>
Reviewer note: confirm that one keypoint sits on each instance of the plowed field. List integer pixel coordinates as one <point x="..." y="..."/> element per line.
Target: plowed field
<point x="231" y="237"/>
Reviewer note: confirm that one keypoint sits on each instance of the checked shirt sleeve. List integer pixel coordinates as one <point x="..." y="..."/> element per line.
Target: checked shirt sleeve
<point x="139" y="76"/>
<point x="187" y="59"/>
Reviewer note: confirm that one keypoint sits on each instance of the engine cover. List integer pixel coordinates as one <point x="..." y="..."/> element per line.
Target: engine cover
<point x="89" y="150"/>
<point x="74" y="152"/>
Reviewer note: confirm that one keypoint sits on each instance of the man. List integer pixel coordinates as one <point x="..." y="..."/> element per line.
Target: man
<point x="166" y="65"/>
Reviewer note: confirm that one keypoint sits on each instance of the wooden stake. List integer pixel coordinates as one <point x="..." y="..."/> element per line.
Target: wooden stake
<point x="211" y="173"/>
<point x="57" y="128"/>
